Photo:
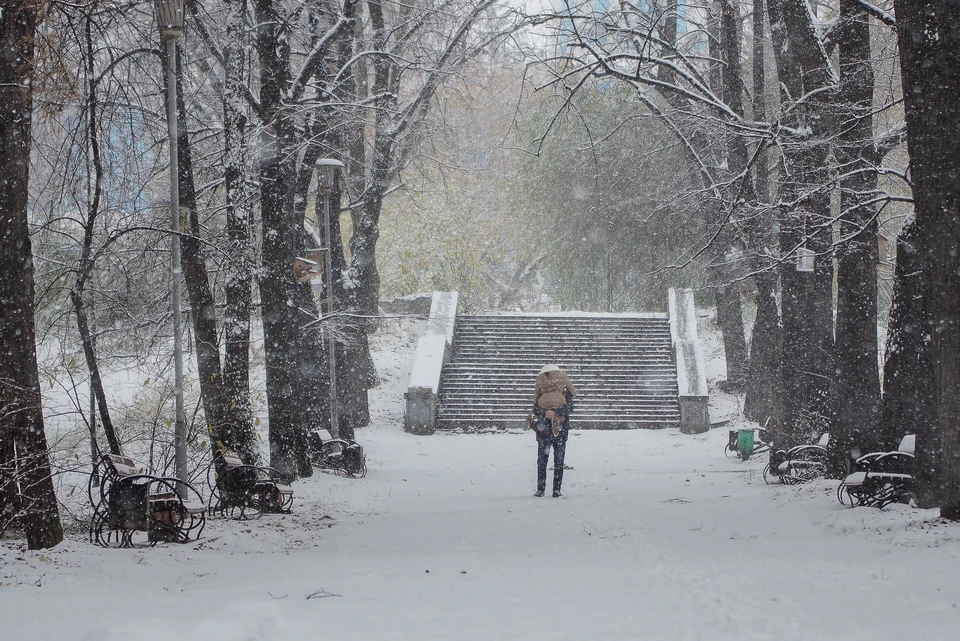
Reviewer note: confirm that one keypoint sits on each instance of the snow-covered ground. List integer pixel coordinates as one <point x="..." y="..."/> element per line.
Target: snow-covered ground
<point x="659" y="536"/>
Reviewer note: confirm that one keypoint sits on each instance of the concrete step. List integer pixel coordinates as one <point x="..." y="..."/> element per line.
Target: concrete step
<point x="576" y="421"/>
<point x="609" y="394"/>
<point x="580" y="324"/>
<point x="549" y="346"/>
<point x="527" y="377"/>
<point x="570" y="328"/>
<point x="579" y="375"/>
<point x="560" y="332"/>
<point x="590" y="392"/>
<point x="581" y="367"/>
<point x="591" y="318"/>
<point x="529" y="328"/>
<point x="577" y="416"/>
<point x="507" y="380"/>
<point x="624" y="411"/>
<point x="616" y="402"/>
<point x="521" y="336"/>
<point x="640" y="393"/>
<point x="623" y="368"/>
<point x="470" y="425"/>
<point x="584" y="388"/>
<point x="571" y="331"/>
<point x="500" y="386"/>
<point x="584" y="360"/>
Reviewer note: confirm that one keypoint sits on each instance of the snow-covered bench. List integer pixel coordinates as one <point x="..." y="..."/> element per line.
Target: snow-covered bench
<point x="247" y="491"/>
<point x="127" y="502"/>
<point x="798" y="464"/>
<point x="344" y="457"/>
<point x="881" y="478"/>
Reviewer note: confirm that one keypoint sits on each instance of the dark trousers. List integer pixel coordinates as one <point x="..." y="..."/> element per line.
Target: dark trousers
<point x="559" y="445"/>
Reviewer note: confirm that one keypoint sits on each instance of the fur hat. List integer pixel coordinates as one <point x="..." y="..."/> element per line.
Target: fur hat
<point x="549" y="367"/>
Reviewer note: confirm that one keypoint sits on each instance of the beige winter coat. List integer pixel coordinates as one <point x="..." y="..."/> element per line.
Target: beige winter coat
<point x="550" y="390"/>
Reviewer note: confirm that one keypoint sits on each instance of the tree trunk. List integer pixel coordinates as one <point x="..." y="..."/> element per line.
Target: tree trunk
<point x="364" y="280"/>
<point x="288" y="439"/>
<point x="238" y="282"/>
<point x="857" y="390"/>
<point x="312" y="356"/>
<point x="93" y="367"/>
<point x="20" y="406"/>
<point x="354" y="366"/>
<point x="729" y="314"/>
<point x="361" y="281"/>
<point x="806" y="297"/>
<point x="929" y="37"/>
<point x="909" y="400"/>
<point x="352" y="396"/>
<point x="730" y="320"/>
<point x="761" y="400"/>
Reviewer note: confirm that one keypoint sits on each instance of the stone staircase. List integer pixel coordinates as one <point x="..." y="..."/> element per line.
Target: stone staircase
<point x="623" y="367"/>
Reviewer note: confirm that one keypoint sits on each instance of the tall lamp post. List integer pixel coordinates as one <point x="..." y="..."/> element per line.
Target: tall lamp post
<point x="170" y="19"/>
<point x="326" y="176"/>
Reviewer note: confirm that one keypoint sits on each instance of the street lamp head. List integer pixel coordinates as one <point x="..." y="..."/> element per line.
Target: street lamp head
<point x="170" y="18"/>
<point x="327" y="172"/>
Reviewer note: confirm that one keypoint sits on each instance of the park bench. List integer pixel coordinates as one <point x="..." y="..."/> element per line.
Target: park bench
<point x="246" y="491"/>
<point x="881" y="478"/>
<point x="133" y="509"/>
<point x="799" y="464"/>
<point x="344" y="457"/>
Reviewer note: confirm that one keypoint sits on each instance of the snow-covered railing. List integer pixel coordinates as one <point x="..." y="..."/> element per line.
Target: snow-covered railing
<point x="691" y="367"/>
<point x="433" y="351"/>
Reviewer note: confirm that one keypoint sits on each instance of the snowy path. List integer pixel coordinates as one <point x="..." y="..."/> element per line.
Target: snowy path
<point x="659" y="537"/>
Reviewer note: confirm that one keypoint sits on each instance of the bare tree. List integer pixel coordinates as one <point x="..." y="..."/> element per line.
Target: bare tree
<point x="87" y="259"/>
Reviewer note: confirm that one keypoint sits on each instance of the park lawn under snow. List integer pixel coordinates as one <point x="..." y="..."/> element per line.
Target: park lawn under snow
<point x="659" y="536"/>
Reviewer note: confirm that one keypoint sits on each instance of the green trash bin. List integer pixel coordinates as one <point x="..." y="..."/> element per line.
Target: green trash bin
<point x="745" y="443"/>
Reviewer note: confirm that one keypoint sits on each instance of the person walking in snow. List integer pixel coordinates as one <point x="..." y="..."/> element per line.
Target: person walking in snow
<point x="553" y="403"/>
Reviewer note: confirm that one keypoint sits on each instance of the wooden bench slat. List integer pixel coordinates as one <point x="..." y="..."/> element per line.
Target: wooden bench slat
<point x="122" y="465"/>
<point x="890" y="476"/>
